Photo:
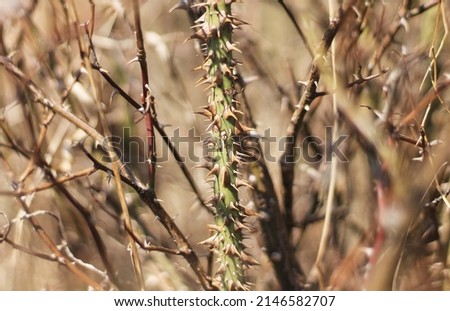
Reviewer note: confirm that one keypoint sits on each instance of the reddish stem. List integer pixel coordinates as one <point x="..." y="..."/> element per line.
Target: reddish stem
<point x="147" y="98"/>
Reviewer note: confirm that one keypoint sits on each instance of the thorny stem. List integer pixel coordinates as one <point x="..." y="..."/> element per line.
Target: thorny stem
<point x="147" y="195"/>
<point x="215" y="29"/>
<point x="147" y="98"/>
<point x="288" y="272"/>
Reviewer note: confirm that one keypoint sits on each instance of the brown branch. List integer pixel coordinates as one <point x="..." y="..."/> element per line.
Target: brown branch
<point x="63" y="244"/>
<point x="50" y="184"/>
<point x="90" y="222"/>
<point x="60" y="256"/>
<point x="148" y="196"/>
<point x="358" y="81"/>
<point x="403" y="15"/>
<point x="276" y="239"/>
<point x="147" y="98"/>
<point x="297" y="27"/>
<point x="288" y="157"/>
<point x="58" y="183"/>
<point x="159" y="129"/>
<point x="150" y="248"/>
<point x="436" y="201"/>
<point x="31" y="252"/>
<point x="424" y="102"/>
<point x="38" y="96"/>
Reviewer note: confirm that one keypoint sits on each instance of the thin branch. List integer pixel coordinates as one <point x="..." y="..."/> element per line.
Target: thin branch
<point x="36" y="159"/>
<point x="50" y="184"/>
<point x="329" y="206"/>
<point x="289" y="274"/>
<point x="147" y="97"/>
<point x="437" y="200"/>
<point x="423" y="104"/>
<point x="146" y="246"/>
<point x="116" y="164"/>
<point x="358" y="81"/>
<point x="160" y="129"/>
<point x="60" y="257"/>
<point x="297" y="27"/>
<point x="38" y="96"/>
<point x="90" y="221"/>
<point x="402" y="17"/>
<point x="287" y="159"/>
<point x="148" y="196"/>
<point x="30" y="252"/>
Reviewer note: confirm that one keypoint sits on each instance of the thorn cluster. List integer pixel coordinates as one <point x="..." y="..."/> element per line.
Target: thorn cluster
<point x="214" y="29"/>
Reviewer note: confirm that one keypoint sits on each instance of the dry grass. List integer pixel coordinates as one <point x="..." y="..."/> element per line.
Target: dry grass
<point x="387" y="219"/>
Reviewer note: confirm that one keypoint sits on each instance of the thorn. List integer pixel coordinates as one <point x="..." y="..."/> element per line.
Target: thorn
<point x="222" y="268"/>
<point x="231" y="250"/>
<point x="199" y="34"/>
<point x="205" y="113"/>
<point x="213" y="240"/>
<point x="214" y="227"/>
<point x="201" y="19"/>
<point x="209" y="87"/>
<point x="201" y="81"/>
<point x="243" y="128"/>
<point x="201" y="67"/>
<point x="230" y="284"/>
<point x="213" y="171"/>
<point x="243" y="155"/>
<point x="210" y="126"/>
<point x="228" y="113"/>
<point x="239" y="226"/>
<point x="249" y="211"/>
<point x="249" y="260"/>
<point x="223" y="176"/>
<point x="199" y="5"/>
<point x="240" y="183"/>
<point x="235" y="159"/>
<point x="232" y="47"/>
<point x="233" y="207"/>
<point x="136" y="59"/>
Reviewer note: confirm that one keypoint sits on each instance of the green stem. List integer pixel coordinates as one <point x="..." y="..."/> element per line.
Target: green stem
<point x="215" y="29"/>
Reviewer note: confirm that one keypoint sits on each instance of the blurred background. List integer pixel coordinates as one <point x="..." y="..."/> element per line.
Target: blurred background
<point x="411" y="38"/>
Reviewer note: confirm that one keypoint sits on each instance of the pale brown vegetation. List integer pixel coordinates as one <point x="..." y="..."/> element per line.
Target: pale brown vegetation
<point x="376" y="216"/>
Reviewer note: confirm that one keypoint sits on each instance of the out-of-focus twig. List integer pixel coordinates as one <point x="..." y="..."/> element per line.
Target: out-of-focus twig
<point x="148" y="196"/>
<point x="287" y="159"/>
<point x="176" y="154"/>
<point x="424" y="102"/>
<point x="60" y="256"/>
<point x="403" y="15"/>
<point x="297" y="27"/>
<point x="38" y="96"/>
<point x="329" y="206"/>
<point x="116" y="163"/>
